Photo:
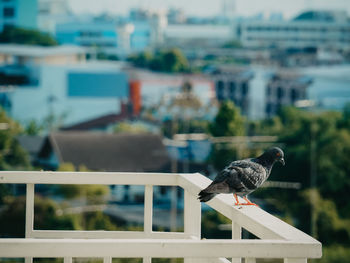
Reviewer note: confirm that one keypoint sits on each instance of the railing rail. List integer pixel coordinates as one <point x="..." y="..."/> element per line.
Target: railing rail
<point x="277" y="238"/>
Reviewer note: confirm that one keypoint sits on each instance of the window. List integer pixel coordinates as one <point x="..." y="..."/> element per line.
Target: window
<point x="268" y="91"/>
<point x="294" y="95"/>
<point x="280" y="93"/>
<point x="232" y="86"/>
<point x="8" y="12"/>
<point x="220" y="89"/>
<point x="244" y="88"/>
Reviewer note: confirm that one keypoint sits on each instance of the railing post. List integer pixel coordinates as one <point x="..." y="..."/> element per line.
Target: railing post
<point x="148" y="214"/>
<point x="192" y="220"/>
<point x="29" y="210"/>
<point x="236" y="234"/>
<point x="295" y="260"/>
<point x="148" y="207"/>
<point x="107" y="260"/>
<point x="67" y="260"/>
<point x="192" y="215"/>
<point x="29" y="215"/>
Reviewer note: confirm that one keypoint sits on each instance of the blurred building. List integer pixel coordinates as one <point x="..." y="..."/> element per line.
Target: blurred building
<point x="19" y="13"/>
<point x="176" y="16"/>
<point x="199" y="35"/>
<point x="38" y="82"/>
<point x="158" y="92"/>
<point x="285" y="88"/>
<point x="312" y="29"/>
<point x="34" y="14"/>
<point x="104" y="152"/>
<point x="232" y="83"/>
<point x="330" y="87"/>
<point x="88" y="34"/>
<point x="52" y="12"/>
<point x="143" y="29"/>
<point x="228" y="9"/>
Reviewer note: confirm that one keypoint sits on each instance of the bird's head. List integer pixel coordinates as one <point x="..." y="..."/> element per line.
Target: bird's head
<point x="275" y="154"/>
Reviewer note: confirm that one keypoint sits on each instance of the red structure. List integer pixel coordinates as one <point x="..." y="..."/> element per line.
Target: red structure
<point x="135" y="96"/>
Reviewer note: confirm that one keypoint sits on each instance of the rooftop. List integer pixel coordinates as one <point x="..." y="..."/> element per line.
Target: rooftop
<point x="40" y="51"/>
<point x="322" y="16"/>
<point x="108" y="152"/>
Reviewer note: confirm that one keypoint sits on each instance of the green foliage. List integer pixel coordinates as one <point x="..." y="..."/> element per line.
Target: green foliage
<point x="34" y="128"/>
<point x="125" y="127"/>
<point x="99" y="221"/>
<point x="141" y="60"/>
<point x="171" y="60"/>
<point x="317" y="151"/>
<point x="171" y="127"/>
<point x="26" y="37"/>
<point x="331" y="228"/>
<point x="93" y="193"/>
<point x="47" y="218"/>
<point x="316" y="144"/>
<point x="335" y="254"/>
<point x="210" y="225"/>
<point x="12" y="218"/>
<point x="232" y="44"/>
<point x="228" y="121"/>
<point x="12" y="155"/>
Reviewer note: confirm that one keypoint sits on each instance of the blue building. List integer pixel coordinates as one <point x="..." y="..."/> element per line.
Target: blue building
<point x="101" y="34"/>
<point x="141" y="36"/>
<point x="18" y="13"/>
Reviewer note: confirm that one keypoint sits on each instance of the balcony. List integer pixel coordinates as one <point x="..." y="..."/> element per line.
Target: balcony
<point x="276" y="239"/>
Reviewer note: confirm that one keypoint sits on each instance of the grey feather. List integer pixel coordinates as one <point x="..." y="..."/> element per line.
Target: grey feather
<point x="244" y="176"/>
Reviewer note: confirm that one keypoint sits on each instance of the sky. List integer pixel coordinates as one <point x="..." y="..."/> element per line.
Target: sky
<point x="288" y="8"/>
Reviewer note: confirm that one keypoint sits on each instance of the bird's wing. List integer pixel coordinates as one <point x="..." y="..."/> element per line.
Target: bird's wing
<point x="238" y="177"/>
<point x="252" y="174"/>
<point x="224" y="181"/>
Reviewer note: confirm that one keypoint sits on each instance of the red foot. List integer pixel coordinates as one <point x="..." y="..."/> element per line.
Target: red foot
<point x="249" y="202"/>
<point x="246" y="199"/>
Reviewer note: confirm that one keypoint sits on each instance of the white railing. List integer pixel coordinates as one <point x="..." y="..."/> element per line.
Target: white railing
<point x="277" y="239"/>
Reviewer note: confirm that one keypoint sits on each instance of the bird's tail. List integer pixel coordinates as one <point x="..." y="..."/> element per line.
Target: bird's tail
<point x="204" y="196"/>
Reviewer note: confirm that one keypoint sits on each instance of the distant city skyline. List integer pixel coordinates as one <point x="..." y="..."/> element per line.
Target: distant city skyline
<point x="210" y="7"/>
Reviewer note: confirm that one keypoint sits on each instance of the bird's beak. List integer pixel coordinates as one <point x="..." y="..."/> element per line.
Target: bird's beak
<point x="282" y="161"/>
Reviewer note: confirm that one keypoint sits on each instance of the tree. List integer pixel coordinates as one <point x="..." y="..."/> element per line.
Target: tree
<point x="174" y="61"/>
<point x="93" y="193"/>
<point x="142" y="59"/>
<point x="34" y="128"/>
<point x="125" y="127"/>
<point x="232" y="44"/>
<point x="26" y="37"/>
<point x="12" y="155"/>
<point x="171" y="60"/>
<point x="228" y="121"/>
<point x="317" y="150"/>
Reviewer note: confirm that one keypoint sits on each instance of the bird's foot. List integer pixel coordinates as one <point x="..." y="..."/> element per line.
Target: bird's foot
<point x="246" y="199"/>
<point x="248" y="202"/>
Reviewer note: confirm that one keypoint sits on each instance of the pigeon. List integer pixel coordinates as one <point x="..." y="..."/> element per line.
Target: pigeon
<point x="243" y="176"/>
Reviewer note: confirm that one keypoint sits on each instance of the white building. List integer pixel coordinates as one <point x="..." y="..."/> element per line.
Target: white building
<point x="52" y="12"/>
<point x="197" y="35"/>
<point x="57" y="81"/>
<point x="318" y="29"/>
